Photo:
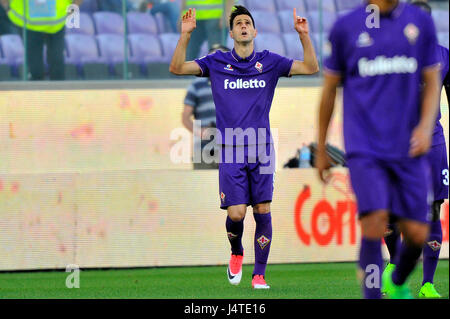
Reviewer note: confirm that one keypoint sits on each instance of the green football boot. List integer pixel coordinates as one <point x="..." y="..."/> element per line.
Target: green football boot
<point x="389" y="268"/>
<point x="428" y="291"/>
<point x="392" y="290"/>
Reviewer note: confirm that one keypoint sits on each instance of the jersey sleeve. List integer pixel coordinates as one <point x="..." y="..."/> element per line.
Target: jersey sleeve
<point x="284" y="65"/>
<point x="335" y="62"/>
<point x="429" y="55"/>
<point x="205" y="63"/>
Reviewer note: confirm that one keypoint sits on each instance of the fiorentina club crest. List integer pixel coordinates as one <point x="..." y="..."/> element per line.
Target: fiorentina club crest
<point x="222" y="196"/>
<point x="411" y="33"/>
<point x="434" y="245"/>
<point x="259" y="66"/>
<point x="263" y="241"/>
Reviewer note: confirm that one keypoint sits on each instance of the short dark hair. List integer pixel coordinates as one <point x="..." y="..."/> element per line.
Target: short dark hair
<point x="422" y="5"/>
<point x="238" y="10"/>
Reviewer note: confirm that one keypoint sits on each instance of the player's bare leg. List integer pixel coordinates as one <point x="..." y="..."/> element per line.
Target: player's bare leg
<point x="373" y="226"/>
<point x="235" y="229"/>
<point x="263" y="239"/>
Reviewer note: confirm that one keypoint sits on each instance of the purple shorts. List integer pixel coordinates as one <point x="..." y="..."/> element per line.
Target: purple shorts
<point x="439" y="171"/>
<point x="246" y="174"/>
<point x="403" y="187"/>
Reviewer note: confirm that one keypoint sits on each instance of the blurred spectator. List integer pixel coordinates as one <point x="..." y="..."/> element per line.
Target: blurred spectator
<point x="45" y="25"/>
<point x="169" y="9"/>
<point x="5" y="25"/>
<point x="113" y="5"/>
<point x="199" y="105"/>
<point x="210" y="16"/>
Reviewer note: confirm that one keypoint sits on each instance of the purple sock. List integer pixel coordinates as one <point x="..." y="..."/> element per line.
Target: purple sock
<point x="393" y="242"/>
<point x="371" y="262"/>
<point x="431" y="251"/>
<point x="405" y="262"/>
<point x="263" y="239"/>
<point x="234" y="232"/>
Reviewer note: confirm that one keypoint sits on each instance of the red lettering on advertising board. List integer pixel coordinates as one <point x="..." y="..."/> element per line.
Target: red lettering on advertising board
<point x="335" y="216"/>
<point x="444" y="219"/>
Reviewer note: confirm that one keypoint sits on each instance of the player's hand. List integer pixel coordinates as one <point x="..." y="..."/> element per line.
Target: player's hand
<point x="300" y="24"/>
<point x="188" y="22"/>
<point x="322" y="163"/>
<point x="420" y="141"/>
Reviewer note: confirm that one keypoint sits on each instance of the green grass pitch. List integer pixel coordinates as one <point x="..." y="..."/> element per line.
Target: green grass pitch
<point x="292" y="281"/>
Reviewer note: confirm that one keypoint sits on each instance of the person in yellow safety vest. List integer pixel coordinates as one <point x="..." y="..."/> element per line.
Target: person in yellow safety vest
<point x="209" y="14"/>
<point x="45" y="22"/>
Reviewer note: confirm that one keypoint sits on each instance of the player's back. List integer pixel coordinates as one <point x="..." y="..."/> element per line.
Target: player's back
<point x="381" y="68"/>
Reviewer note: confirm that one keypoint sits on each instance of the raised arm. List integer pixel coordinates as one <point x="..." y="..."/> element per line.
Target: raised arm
<point x="178" y="65"/>
<point x="309" y="65"/>
<point x="330" y="84"/>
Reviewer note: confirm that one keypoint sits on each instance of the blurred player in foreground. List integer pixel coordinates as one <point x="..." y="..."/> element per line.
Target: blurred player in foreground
<point x="388" y="125"/>
<point x="243" y="83"/>
<point x="439" y="172"/>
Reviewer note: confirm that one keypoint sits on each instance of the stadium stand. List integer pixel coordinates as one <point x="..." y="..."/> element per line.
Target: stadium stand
<point x="139" y="22"/>
<point x="289" y="4"/>
<point x="268" y="21"/>
<point x="152" y="42"/>
<point x="266" y="5"/>
<point x="270" y="41"/>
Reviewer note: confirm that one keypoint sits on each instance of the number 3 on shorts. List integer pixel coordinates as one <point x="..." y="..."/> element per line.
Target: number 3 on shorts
<point x="445" y="174"/>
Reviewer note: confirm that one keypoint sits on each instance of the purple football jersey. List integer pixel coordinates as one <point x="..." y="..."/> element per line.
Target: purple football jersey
<point x="243" y="90"/>
<point x="381" y="69"/>
<point x="438" y="134"/>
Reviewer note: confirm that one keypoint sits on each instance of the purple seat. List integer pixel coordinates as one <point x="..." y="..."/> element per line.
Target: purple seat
<point x="82" y="48"/>
<point x="328" y="19"/>
<point x="230" y="43"/>
<point x="327" y="5"/>
<point x="86" y="25"/>
<point x="111" y="48"/>
<point x="440" y="18"/>
<point x="267" y="21"/>
<point x="270" y="41"/>
<point x="290" y="5"/>
<point x="145" y="48"/>
<point x="89" y="6"/>
<point x="317" y="37"/>
<point x="12" y="47"/>
<point x="263" y="5"/>
<point x="287" y="20"/>
<point x="169" y="42"/>
<point x="162" y="24"/>
<point x="204" y="49"/>
<point x="108" y="23"/>
<point x="443" y="39"/>
<point x="347" y="4"/>
<point x="141" y="23"/>
<point x="294" y="48"/>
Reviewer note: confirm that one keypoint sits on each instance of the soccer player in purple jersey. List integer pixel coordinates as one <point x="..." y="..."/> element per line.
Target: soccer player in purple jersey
<point x="243" y="83"/>
<point x="439" y="175"/>
<point x="388" y="126"/>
